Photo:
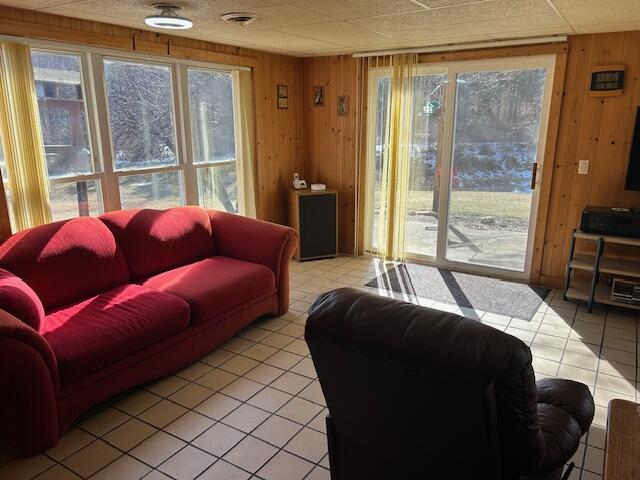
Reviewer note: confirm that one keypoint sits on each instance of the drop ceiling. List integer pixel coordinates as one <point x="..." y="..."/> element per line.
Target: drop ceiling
<point x="326" y="27"/>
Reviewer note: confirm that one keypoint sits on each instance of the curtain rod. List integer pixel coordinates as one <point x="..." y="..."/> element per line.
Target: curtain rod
<point x="465" y="46"/>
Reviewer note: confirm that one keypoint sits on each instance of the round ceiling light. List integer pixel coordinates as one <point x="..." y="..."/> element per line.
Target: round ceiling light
<point x="168" y="18"/>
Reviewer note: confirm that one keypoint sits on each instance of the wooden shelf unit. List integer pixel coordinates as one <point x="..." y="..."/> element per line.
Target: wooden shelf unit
<point x="596" y="291"/>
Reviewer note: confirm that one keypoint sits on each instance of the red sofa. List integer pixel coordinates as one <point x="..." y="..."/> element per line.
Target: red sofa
<point x="93" y="306"/>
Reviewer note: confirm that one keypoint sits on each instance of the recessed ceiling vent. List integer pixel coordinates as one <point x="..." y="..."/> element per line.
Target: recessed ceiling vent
<point x="238" y="18"/>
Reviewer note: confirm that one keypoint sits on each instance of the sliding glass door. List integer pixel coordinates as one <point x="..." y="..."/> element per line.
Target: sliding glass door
<point x="477" y="141"/>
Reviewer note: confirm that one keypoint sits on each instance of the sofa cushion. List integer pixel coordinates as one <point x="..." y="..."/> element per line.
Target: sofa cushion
<point x="215" y="285"/>
<point x="18" y="299"/>
<point x="107" y="327"/>
<point x="157" y="240"/>
<point x="65" y="261"/>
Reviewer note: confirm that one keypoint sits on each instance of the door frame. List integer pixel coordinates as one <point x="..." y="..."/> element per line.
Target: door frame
<point x="452" y="69"/>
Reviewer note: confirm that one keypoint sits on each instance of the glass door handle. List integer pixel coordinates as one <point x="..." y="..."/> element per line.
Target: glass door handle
<point x="534" y="175"/>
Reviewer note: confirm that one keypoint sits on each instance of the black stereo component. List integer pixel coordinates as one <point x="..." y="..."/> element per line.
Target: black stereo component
<point x="621" y="222"/>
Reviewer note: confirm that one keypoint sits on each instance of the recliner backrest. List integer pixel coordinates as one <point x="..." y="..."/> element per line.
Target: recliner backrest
<point x="420" y="391"/>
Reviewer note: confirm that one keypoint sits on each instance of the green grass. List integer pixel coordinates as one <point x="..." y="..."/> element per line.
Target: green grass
<point x="505" y="205"/>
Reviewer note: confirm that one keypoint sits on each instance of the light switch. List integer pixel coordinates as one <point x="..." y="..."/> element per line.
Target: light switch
<point x="583" y="167"/>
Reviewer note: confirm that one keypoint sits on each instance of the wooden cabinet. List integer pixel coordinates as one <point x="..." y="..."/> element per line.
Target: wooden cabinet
<point x="314" y="215"/>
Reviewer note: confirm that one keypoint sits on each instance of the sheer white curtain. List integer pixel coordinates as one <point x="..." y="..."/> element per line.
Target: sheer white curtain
<point x="246" y="132"/>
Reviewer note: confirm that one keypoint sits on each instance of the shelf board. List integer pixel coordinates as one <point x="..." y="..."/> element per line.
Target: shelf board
<point x="608" y="238"/>
<point x="580" y="291"/>
<point x="611" y="266"/>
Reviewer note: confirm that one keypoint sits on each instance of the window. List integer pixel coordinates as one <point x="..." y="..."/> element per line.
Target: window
<point x="121" y="132"/>
<point x="74" y="189"/>
<point x="143" y="137"/>
<point x="213" y="138"/>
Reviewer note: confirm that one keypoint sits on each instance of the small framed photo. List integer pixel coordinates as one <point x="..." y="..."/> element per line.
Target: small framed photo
<point x="343" y="105"/>
<point x="283" y="96"/>
<point x="318" y="96"/>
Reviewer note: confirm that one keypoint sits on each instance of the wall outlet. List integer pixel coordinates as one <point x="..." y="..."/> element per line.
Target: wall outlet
<point x="583" y="167"/>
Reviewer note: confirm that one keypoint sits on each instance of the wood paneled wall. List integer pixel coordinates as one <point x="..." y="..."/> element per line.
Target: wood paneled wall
<point x="596" y="129"/>
<point x="330" y="139"/>
<point x="279" y="135"/>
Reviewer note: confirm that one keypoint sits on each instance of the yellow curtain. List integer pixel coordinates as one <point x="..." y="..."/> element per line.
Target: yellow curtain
<point x="395" y="166"/>
<point x="246" y="147"/>
<point x="22" y="138"/>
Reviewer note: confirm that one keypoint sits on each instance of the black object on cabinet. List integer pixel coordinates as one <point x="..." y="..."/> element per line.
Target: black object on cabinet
<point x="314" y="216"/>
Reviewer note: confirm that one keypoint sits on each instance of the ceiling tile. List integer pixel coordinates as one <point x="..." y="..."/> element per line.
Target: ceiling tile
<point x="34" y="4"/>
<point x="491" y="10"/>
<point x="278" y="40"/>
<point x="608" y="27"/>
<point x="447" y="3"/>
<point x="346" y="9"/>
<point x="594" y="12"/>
<point x="505" y="26"/>
<point x="340" y="32"/>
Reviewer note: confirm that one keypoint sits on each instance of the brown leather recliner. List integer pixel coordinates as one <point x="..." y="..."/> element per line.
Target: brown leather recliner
<point x="416" y="393"/>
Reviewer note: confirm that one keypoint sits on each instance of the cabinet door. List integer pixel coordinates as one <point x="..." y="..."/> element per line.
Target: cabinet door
<point x="317" y="225"/>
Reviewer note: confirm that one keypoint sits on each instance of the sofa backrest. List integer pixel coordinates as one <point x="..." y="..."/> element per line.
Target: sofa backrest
<point x="154" y="241"/>
<point x="65" y="261"/>
<point x="435" y="394"/>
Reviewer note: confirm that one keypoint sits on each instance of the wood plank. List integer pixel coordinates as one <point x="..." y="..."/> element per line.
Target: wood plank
<point x="34" y="30"/>
<point x="622" y="452"/>
<point x="214" y="57"/>
<point x="500" y="52"/>
<point x="548" y="166"/>
<point x="596" y="129"/>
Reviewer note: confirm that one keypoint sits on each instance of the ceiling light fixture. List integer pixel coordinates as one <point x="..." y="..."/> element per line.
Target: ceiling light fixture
<point x="168" y="18"/>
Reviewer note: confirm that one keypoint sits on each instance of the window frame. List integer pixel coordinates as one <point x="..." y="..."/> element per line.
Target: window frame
<point x="192" y="167"/>
<point x="98" y="123"/>
<point x="89" y="109"/>
<point x="176" y="106"/>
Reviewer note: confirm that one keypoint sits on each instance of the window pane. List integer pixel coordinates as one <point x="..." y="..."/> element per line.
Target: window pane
<point x="427" y="132"/>
<point x="497" y="125"/>
<point x="383" y="86"/>
<point x="63" y="117"/>
<point x="211" y="107"/>
<point x="151" y="190"/>
<point x="75" y="199"/>
<point x="140" y="114"/>
<point x="7" y="191"/>
<point x="217" y="187"/>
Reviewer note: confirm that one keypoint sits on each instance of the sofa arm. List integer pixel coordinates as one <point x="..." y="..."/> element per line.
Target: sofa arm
<point x="257" y="241"/>
<point x="29" y="386"/>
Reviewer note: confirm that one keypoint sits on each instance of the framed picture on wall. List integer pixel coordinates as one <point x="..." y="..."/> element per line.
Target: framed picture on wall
<point x="343" y="105"/>
<point x="283" y="96"/>
<point x="318" y="96"/>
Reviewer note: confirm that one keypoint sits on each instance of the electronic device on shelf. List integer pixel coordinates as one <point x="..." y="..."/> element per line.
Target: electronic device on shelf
<point x="622" y="222"/>
<point x="298" y="183"/>
<point x="626" y="291"/>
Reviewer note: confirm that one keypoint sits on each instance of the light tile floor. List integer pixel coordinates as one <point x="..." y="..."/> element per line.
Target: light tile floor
<point x="253" y="408"/>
